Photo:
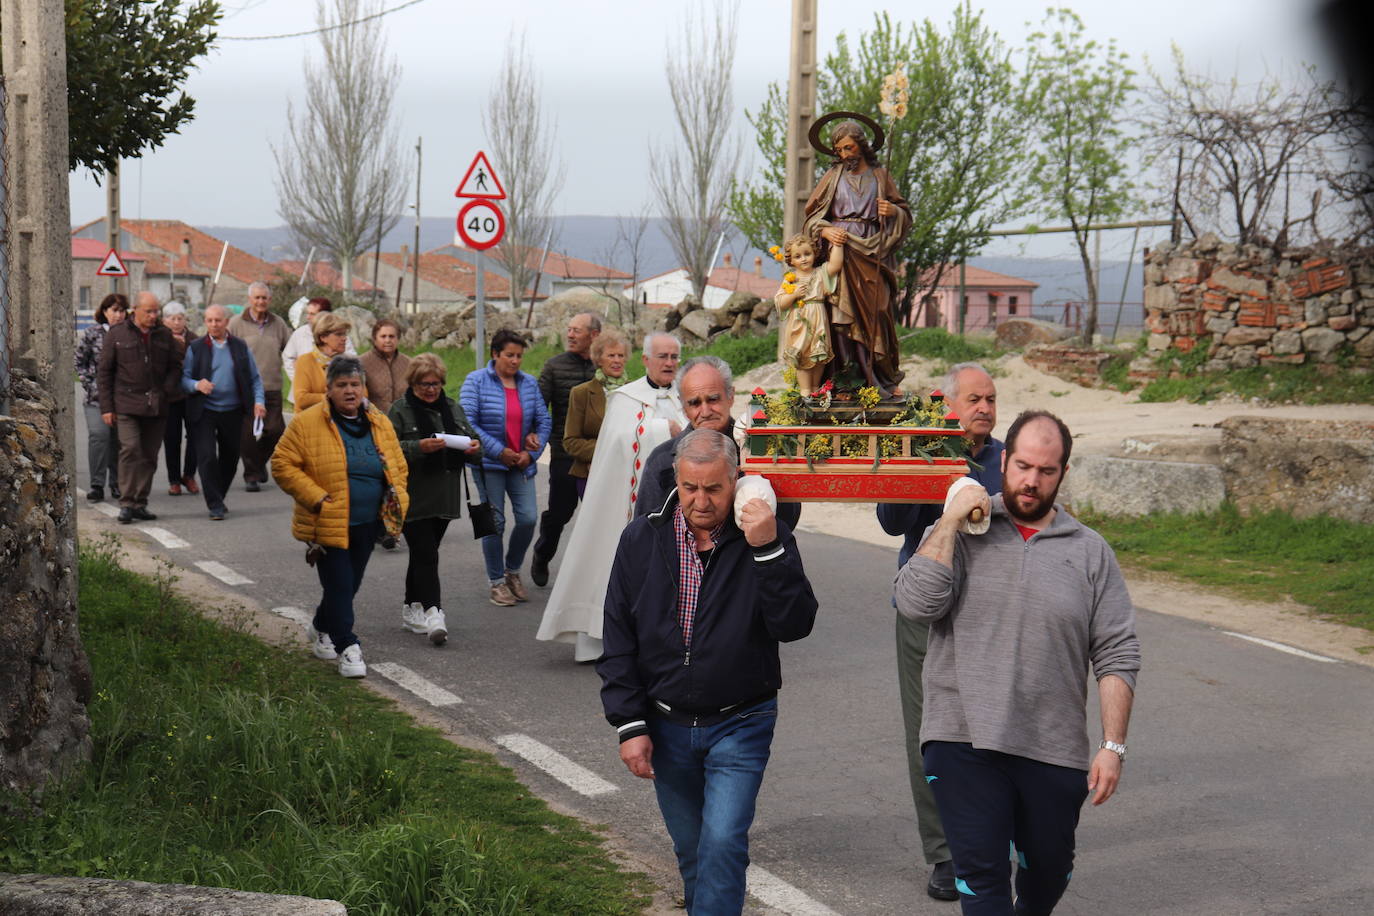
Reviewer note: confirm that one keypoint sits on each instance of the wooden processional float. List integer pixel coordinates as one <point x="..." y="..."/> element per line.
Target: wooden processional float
<point x="828" y="450"/>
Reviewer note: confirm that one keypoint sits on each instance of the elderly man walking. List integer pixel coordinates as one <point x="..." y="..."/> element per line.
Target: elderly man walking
<point x="1017" y="615"/>
<point x="696" y="607"/>
<point x="560" y="376"/>
<point x="223" y="387"/>
<point x="266" y="336"/>
<point x="969" y="391"/>
<point x="140" y="369"/>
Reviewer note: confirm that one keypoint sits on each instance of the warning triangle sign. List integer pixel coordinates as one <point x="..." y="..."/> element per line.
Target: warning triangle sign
<point x="481" y="181"/>
<point x="112" y="266"/>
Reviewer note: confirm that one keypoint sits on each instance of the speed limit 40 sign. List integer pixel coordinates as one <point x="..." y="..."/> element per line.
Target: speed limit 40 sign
<point x="481" y="224"/>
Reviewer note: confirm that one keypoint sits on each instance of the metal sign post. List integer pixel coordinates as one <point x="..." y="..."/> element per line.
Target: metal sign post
<point x="481" y="224"/>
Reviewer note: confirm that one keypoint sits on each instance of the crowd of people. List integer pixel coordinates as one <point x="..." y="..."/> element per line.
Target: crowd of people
<point x="681" y="576"/>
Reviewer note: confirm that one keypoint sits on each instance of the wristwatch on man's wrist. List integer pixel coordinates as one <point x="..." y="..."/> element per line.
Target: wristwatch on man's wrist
<point x="1118" y="749"/>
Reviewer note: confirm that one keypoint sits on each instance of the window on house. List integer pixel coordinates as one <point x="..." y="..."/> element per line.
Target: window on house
<point x="1011" y="304"/>
<point x="84" y="297"/>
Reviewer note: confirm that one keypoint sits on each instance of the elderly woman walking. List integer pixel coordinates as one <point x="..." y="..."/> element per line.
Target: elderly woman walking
<point x="340" y="461"/>
<point x="102" y="445"/>
<point x="587" y="403"/>
<point x="331" y="340"/>
<point x="179" y="474"/>
<point x="505" y="407"/>
<point x="437" y="442"/>
<point x="386" y="366"/>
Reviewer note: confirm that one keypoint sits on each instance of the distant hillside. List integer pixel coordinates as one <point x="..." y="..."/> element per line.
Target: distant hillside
<point x="594" y="238"/>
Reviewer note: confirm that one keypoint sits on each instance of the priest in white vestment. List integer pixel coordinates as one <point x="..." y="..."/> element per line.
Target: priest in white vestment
<point x="639" y="415"/>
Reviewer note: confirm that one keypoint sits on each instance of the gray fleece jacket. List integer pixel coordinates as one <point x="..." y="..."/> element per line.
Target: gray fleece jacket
<point x="1013" y="628"/>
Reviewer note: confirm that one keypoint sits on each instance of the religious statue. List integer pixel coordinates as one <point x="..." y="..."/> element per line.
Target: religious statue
<point x="856" y="205"/>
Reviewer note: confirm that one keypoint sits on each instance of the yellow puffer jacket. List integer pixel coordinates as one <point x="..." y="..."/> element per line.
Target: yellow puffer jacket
<point x="308" y="387"/>
<point x="309" y="463"/>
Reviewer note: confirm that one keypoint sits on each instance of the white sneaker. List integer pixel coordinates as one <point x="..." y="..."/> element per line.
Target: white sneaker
<point x="351" y="662"/>
<point x="413" y="618"/>
<point x="434" y="622"/>
<point x="322" y="645"/>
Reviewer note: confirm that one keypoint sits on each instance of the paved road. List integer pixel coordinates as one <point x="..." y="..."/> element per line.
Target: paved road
<point x="1247" y="790"/>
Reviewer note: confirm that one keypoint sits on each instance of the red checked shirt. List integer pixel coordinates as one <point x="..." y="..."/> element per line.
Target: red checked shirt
<point x="690" y="571"/>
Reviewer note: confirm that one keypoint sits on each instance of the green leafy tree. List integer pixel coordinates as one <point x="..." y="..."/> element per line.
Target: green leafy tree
<point x="956" y="149"/>
<point x="1080" y="90"/>
<point x="126" y="63"/>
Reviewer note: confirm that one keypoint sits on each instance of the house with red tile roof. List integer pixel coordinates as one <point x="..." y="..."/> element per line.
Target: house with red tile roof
<point x="667" y="289"/>
<point x="87" y="287"/>
<point x="444" y="280"/>
<point x="989" y="297"/>
<point x="560" y="273"/>
<point x="183" y="259"/>
<point x="323" y="274"/>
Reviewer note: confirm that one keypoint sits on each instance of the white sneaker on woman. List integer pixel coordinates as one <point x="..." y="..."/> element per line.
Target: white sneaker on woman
<point x="351" y="662"/>
<point x="413" y="617"/>
<point x="434" y="622"/>
<point x="322" y="645"/>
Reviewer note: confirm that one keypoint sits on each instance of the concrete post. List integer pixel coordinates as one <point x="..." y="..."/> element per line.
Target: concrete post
<point x="42" y="324"/>
<point x="801" y="113"/>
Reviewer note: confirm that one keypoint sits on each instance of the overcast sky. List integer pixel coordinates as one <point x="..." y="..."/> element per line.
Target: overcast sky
<point x="601" y="62"/>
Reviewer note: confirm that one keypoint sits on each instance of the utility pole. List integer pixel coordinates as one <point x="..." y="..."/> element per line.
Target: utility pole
<point x="415" y="266"/>
<point x="112" y="215"/>
<point x="801" y="113"/>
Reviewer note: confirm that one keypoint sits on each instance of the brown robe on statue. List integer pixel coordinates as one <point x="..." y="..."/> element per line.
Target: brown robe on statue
<point x="861" y="307"/>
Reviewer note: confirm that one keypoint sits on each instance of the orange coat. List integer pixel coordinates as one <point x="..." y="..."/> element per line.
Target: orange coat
<point x="309" y="463"/>
<point x="308" y="387"/>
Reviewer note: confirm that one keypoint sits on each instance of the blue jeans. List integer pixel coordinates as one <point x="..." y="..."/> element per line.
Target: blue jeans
<point x="495" y="486"/>
<point x="993" y="802"/>
<point x="341" y="572"/>
<point x="707" y="780"/>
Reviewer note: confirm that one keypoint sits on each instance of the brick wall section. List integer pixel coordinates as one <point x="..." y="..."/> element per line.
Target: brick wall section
<point x="1252" y="306"/>
<point x="1080" y="365"/>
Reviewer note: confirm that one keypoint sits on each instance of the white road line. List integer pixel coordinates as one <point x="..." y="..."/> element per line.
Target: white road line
<point x="1300" y="653"/>
<point x="431" y="693"/>
<point x="223" y="573"/>
<point x="574" y="776"/>
<point x="300" y="616"/>
<point x="165" y="538"/>
<point x="780" y="895"/>
<point x="106" y="509"/>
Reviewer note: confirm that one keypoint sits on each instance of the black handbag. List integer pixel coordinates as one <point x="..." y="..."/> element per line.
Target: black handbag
<point x="482" y="514"/>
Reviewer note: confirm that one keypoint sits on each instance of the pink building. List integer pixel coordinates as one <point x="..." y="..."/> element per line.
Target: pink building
<point x="990" y="298"/>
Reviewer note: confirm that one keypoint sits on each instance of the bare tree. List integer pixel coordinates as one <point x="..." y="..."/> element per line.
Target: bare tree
<point x="629" y="239"/>
<point x="340" y="177"/>
<point x="1254" y="160"/>
<point x="692" y="183"/>
<point x="522" y="146"/>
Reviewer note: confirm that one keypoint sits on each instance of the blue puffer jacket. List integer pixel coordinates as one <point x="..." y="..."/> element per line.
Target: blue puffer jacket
<point x="483" y="399"/>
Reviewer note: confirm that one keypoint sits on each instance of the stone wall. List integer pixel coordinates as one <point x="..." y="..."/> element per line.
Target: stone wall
<point x="49" y="895"/>
<point x="1306" y="467"/>
<point x="1252" y="305"/>
<point x="45" y="680"/>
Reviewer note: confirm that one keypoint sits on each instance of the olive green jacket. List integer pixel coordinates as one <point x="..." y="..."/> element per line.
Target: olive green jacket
<point x="433" y="493"/>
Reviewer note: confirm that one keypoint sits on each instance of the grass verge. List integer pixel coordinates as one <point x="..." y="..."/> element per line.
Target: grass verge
<point x="221" y="761"/>
<point x="1323" y="563"/>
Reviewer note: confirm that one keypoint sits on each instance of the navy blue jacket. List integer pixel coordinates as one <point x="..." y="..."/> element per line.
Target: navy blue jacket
<point x="912" y="519"/>
<point x="751" y="599"/>
<point x="199" y="354"/>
